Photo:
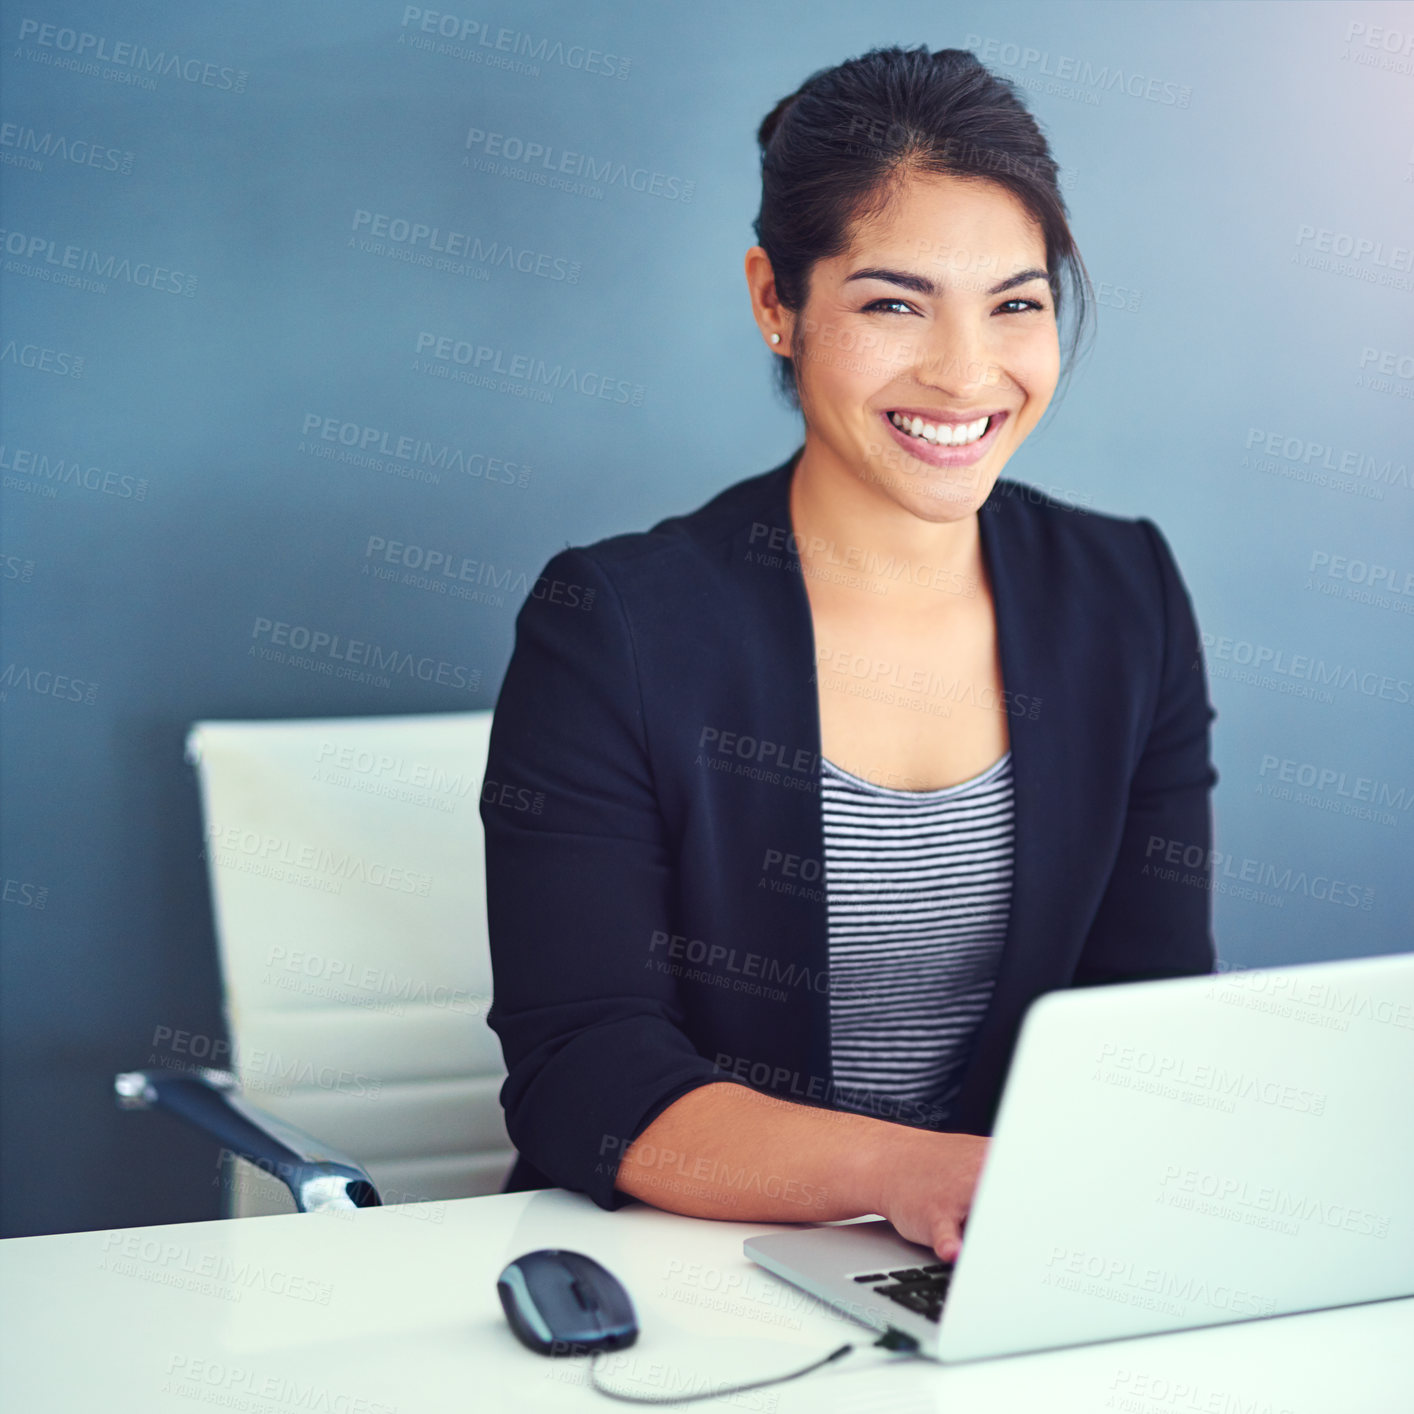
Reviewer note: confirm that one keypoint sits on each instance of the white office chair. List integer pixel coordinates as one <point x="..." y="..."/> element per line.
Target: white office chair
<point x="347" y="868"/>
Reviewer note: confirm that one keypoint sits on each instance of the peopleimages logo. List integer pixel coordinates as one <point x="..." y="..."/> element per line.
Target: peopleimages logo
<point x="1242" y="1191"/>
<point x="409" y="457"/>
<point x="82" y="51"/>
<point x="200" y="1378"/>
<point x="1346" y="791"/>
<point x="1163" y="857"/>
<point x="28" y="145"/>
<point x="1301" y="667"/>
<point x="57" y="361"/>
<point x="1309" y="455"/>
<point x="43" y="254"/>
<point x="44" y="682"/>
<point x="473" y="39"/>
<point x="68" y="471"/>
<point x="524" y="370"/>
<point x="322" y="646"/>
<point x="1103" y="78"/>
<point x="1170" y="1287"/>
<point x="1347" y="243"/>
<point x="565" y="162"/>
<point x="428" y="241"/>
<point x="1116" y="1064"/>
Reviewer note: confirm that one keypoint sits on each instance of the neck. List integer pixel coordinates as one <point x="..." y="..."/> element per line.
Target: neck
<point x="841" y="520"/>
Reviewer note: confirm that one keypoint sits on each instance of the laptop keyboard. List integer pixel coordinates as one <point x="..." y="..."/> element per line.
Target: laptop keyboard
<point x="917" y="1289"/>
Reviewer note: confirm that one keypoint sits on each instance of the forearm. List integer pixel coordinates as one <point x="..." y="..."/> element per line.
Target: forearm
<point x="726" y="1151"/>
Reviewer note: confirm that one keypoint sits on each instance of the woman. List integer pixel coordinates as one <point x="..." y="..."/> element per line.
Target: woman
<point x="843" y="769"/>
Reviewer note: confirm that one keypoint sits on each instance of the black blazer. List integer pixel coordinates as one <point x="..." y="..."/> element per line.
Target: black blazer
<point x="653" y="766"/>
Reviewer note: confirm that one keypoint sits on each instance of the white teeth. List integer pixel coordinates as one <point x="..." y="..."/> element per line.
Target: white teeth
<point x="940" y="435"/>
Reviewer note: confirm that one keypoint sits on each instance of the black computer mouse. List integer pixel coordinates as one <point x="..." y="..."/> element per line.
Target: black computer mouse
<point x="564" y="1303"/>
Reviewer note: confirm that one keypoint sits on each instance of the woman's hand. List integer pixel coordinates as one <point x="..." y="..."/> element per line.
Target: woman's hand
<point x="926" y="1182"/>
<point x="751" y="1157"/>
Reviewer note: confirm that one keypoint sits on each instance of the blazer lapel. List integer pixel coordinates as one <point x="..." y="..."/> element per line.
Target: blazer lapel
<point x="1046" y="726"/>
<point x="1049" y="833"/>
<point x="782" y="705"/>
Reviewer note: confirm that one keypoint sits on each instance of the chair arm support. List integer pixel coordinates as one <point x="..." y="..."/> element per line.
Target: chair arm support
<point x="318" y="1177"/>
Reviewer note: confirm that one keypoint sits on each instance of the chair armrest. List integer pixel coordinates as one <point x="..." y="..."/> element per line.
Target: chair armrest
<point x="318" y="1177"/>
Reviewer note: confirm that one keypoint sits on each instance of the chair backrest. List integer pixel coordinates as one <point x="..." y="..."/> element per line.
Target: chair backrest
<point x="347" y="868"/>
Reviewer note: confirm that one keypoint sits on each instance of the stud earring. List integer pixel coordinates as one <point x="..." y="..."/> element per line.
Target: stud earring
<point x="775" y="338"/>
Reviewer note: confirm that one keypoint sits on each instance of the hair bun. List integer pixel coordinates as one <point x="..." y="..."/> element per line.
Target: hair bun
<point x="772" y="120"/>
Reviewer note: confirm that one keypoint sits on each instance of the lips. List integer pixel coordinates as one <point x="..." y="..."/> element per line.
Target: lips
<point x="938" y="456"/>
<point x="950" y="419"/>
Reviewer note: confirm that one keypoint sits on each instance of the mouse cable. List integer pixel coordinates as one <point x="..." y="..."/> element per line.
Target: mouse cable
<point x="890" y="1340"/>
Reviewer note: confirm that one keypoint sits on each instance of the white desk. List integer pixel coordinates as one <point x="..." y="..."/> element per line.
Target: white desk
<point x="394" y="1309"/>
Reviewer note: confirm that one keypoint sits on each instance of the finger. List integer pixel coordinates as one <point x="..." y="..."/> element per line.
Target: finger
<point x="947" y="1241"/>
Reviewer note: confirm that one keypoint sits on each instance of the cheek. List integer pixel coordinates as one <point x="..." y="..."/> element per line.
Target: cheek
<point x="838" y="386"/>
<point x="832" y="355"/>
<point x="1037" y="366"/>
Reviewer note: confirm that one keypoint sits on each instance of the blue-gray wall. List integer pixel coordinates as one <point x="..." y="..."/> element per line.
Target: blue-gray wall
<point x="219" y="266"/>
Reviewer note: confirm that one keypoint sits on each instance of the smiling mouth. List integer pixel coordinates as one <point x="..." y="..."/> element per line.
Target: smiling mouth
<point x="943" y="434"/>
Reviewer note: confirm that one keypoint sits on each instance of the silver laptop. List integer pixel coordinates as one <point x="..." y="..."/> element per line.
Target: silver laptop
<point x="1167" y="1155"/>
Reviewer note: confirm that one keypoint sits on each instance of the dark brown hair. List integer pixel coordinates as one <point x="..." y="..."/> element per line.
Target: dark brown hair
<point x="837" y="149"/>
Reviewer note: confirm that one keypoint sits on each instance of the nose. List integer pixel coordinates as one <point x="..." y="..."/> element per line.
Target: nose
<point x="956" y="357"/>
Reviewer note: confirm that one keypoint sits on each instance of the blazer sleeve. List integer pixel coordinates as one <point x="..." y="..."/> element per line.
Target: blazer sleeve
<point x="1155" y="917"/>
<point x="580" y="873"/>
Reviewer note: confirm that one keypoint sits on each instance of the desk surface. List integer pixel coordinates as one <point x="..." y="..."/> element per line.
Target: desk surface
<point x="394" y="1309"/>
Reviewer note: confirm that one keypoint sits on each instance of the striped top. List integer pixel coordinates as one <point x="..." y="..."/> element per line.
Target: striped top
<point x="918" y="891"/>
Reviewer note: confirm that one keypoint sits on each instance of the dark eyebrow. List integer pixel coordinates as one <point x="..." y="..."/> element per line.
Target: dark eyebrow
<point x="922" y="285"/>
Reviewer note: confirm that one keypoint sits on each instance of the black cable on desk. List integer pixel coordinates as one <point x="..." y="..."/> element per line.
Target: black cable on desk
<point x="890" y="1340"/>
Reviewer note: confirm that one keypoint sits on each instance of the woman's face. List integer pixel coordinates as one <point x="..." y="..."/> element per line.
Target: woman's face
<point x="939" y="315"/>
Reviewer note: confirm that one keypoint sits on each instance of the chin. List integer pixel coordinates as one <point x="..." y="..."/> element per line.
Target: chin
<point x="945" y="506"/>
<point x="924" y="492"/>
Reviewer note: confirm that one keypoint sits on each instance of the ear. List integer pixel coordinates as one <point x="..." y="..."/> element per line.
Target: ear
<point x="771" y="316"/>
